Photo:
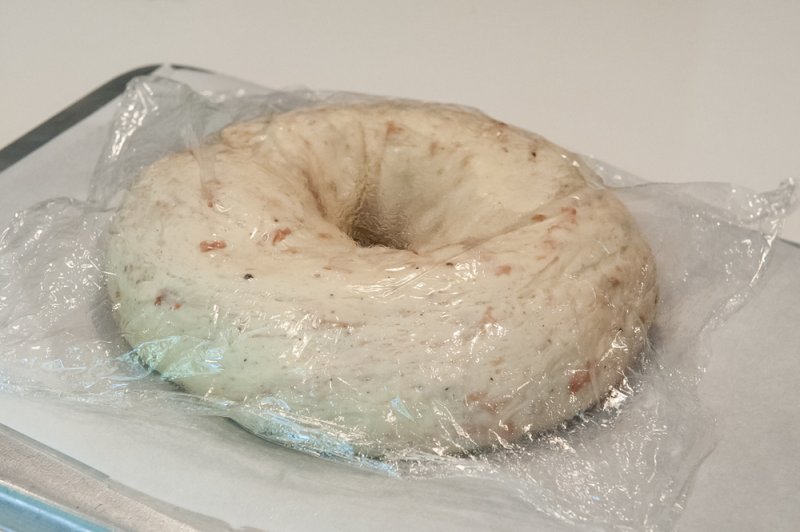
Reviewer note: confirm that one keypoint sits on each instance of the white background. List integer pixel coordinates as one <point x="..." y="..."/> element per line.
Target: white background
<point x="671" y="91"/>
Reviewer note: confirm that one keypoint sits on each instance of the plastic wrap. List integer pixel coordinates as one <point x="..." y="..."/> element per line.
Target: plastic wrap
<point x="625" y="462"/>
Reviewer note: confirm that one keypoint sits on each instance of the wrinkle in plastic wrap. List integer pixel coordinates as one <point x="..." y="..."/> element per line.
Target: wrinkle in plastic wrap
<point x="625" y="462"/>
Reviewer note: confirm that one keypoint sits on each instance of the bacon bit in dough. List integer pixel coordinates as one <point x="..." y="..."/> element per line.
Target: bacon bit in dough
<point x="487" y="318"/>
<point x="209" y="245"/>
<point x="538" y="218"/>
<point x="579" y="379"/>
<point x="280" y="234"/>
<point x="165" y="297"/>
<point x="504" y="269"/>
<point x="392" y="128"/>
<point x="614" y="281"/>
<point x="475" y="397"/>
<point x="481" y="400"/>
<point x="433" y="147"/>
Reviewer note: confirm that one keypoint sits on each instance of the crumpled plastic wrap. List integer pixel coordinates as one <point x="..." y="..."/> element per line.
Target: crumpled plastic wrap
<point x="624" y="463"/>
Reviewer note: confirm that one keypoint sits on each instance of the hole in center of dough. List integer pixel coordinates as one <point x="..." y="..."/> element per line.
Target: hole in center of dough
<point x="368" y="227"/>
<point x="367" y="237"/>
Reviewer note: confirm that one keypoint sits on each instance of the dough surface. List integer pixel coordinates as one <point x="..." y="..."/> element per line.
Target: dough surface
<point x="411" y="276"/>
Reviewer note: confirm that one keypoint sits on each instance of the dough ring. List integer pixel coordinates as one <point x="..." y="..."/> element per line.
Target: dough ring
<point x="411" y="277"/>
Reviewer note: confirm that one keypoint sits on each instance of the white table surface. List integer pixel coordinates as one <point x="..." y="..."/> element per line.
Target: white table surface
<point x="680" y="91"/>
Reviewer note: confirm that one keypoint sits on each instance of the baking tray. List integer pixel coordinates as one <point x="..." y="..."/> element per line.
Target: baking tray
<point x="90" y="470"/>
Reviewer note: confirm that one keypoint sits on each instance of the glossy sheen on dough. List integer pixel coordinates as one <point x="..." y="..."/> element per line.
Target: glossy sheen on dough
<point x="412" y="276"/>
